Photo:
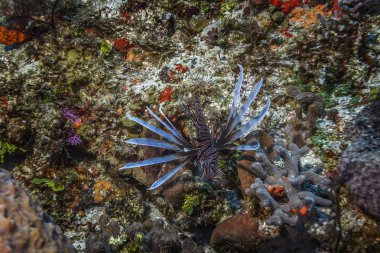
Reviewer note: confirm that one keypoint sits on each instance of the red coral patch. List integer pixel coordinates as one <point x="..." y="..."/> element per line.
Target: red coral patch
<point x="121" y="44"/>
<point x="166" y="94"/>
<point x="10" y="37"/>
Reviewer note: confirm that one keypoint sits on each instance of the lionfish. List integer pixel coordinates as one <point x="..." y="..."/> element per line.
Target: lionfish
<point x="204" y="148"/>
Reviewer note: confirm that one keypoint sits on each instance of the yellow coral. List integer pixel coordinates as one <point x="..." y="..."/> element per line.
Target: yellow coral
<point x="101" y="190"/>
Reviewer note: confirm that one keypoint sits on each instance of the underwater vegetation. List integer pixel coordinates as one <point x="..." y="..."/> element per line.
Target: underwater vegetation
<point x="205" y="147"/>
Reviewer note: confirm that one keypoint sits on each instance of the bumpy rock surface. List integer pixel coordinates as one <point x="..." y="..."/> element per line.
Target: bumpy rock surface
<point x="24" y="227"/>
<point x="361" y="6"/>
<point x="163" y="239"/>
<point x="360" y="164"/>
<point x="236" y="234"/>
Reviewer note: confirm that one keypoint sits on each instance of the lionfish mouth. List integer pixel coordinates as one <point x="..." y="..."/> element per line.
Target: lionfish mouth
<point x="207" y="150"/>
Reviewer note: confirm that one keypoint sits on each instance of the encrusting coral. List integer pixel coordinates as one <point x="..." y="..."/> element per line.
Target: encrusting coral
<point x="24" y="227"/>
<point x="274" y="183"/>
<point x="359" y="166"/>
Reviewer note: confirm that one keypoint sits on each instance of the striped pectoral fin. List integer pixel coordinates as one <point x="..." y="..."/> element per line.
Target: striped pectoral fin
<point x="158" y="131"/>
<point x="237" y="119"/>
<point x="170" y="127"/>
<point x="244" y="147"/>
<point x="236" y="94"/>
<point x="167" y="176"/>
<point x="156" y="160"/>
<point x="251" y="124"/>
<point x="153" y="143"/>
<point x="178" y="133"/>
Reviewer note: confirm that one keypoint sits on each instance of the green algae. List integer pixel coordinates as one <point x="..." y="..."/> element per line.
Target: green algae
<point x="191" y="202"/>
<point x="321" y="139"/>
<point x="228" y="6"/>
<point x="133" y="246"/>
<point x="84" y="131"/>
<point x="128" y="123"/>
<point x="328" y="100"/>
<point x="6" y="149"/>
<point x="278" y="16"/>
<point x="374" y="92"/>
<point x="54" y="186"/>
<point x="344" y="89"/>
<point x="73" y="55"/>
<point x="105" y="48"/>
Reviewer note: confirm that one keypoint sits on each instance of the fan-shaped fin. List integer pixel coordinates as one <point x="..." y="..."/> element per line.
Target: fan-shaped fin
<point x="179" y="135"/>
<point x="158" y="131"/>
<point x="153" y="143"/>
<point x="244" y="147"/>
<point x="173" y="131"/>
<point x="251" y="123"/>
<point x="236" y="94"/>
<point x="156" y="160"/>
<point x="167" y="176"/>
<point x="237" y="119"/>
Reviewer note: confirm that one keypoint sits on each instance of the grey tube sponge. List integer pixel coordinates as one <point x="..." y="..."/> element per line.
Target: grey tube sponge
<point x="291" y="179"/>
<point x="266" y="200"/>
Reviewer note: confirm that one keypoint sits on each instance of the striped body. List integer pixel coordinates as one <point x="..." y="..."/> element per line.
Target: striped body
<point x="207" y="155"/>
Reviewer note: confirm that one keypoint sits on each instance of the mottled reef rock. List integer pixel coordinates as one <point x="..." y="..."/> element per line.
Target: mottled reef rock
<point x="98" y="242"/>
<point x="359" y="167"/>
<point x="163" y="239"/>
<point x="24" y="227"/>
<point x="361" y="6"/>
<point x="236" y="234"/>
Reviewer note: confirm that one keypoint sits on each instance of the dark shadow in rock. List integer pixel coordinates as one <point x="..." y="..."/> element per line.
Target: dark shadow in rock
<point x="292" y="240"/>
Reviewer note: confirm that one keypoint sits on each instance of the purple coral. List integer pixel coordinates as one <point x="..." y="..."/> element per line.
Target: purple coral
<point x="69" y="115"/>
<point x="74" y="139"/>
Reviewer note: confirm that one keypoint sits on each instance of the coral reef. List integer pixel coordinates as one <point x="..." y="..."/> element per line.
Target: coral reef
<point x="284" y="190"/>
<point x="24" y="225"/>
<point x="74" y="84"/>
<point x="359" y="166"/>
